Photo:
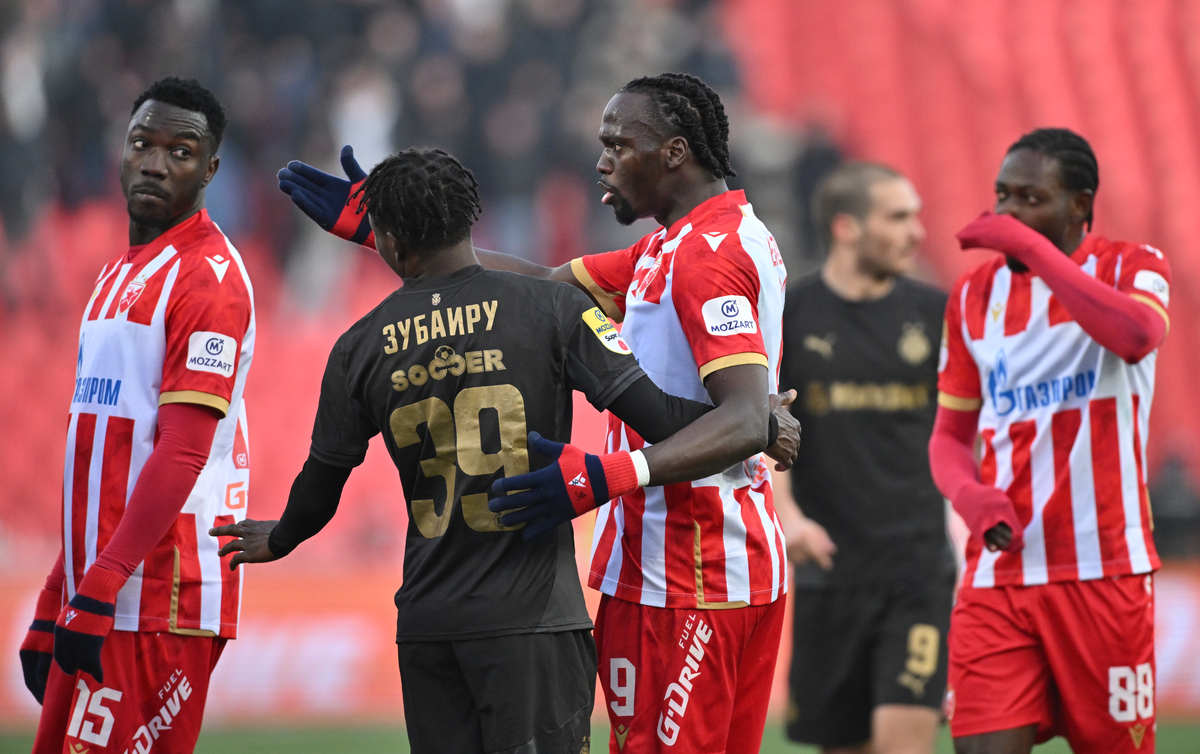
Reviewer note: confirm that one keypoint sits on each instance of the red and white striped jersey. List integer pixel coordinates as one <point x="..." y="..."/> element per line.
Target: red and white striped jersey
<point x="702" y="295"/>
<point x="173" y="323"/>
<point x="1063" y="420"/>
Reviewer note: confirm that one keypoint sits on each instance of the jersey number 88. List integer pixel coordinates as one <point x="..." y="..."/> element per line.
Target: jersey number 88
<point x="457" y="439"/>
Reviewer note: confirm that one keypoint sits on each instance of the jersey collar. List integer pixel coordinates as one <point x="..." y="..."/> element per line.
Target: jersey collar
<point x="707" y="209"/>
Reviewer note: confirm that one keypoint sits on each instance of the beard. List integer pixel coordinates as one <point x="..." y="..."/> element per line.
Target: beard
<point x="623" y="210"/>
<point x="149" y="215"/>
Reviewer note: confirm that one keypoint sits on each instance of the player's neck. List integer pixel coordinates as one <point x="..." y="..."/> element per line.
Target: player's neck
<point x="439" y="263"/>
<point x="845" y="277"/>
<point x="140" y="235"/>
<point x="690" y="195"/>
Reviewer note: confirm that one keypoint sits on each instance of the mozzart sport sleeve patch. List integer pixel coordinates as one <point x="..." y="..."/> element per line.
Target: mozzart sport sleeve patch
<point x="206" y="320"/>
<point x="598" y="362"/>
<point x="729" y="315"/>
<point x="1146" y="277"/>
<point x="211" y="352"/>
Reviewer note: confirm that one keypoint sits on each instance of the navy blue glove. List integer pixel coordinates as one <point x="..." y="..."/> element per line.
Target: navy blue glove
<point x="574" y="484"/>
<point x="326" y="198"/>
<point x="85" y="622"/>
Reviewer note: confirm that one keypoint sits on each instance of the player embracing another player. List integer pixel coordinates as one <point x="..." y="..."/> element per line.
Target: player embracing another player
<point x="693" y="574"/>
<point x="1049" y="358"/>
<point x="156" y="455"/>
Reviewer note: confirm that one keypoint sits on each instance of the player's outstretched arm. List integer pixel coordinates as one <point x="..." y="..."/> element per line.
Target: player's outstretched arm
<point x="185" y="435"/>
<point x="37" y="651"/>
<point x="987" y="511"/>
<point x="1114" y="319"/>
<point x="311" y="504"/>
<point x="578" y="482"/>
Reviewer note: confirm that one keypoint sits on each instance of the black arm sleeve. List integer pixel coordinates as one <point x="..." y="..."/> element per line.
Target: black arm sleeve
<point x="653" y="414"/>
<point x="311" y="504"/>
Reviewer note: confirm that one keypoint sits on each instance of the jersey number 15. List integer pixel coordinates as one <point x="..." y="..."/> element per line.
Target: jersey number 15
<point x="457" y="438"/>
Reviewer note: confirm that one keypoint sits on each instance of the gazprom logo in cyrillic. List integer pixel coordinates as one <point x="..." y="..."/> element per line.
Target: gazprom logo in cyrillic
<point x="729" y="315"/>
<point x="211" y="352"/>
<point x="100" y="390"/>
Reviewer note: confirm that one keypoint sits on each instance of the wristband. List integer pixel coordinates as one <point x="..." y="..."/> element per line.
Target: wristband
<point x="641" y="467"/>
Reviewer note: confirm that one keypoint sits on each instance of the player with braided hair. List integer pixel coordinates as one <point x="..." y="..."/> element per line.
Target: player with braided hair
<point x="702" y="303"/>
<point x="1049" y="360"/>
<point x="468" y="374"/>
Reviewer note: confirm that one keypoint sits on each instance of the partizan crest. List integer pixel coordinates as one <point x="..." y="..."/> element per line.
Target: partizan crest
<point x="914" y="346"/>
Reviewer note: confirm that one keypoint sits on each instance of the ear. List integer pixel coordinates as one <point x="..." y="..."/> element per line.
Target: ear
<point x="213" y="163"/>
<point x="845" y="228"/>
<point x="675" y="151"/>
<point x="1081" y="206"/>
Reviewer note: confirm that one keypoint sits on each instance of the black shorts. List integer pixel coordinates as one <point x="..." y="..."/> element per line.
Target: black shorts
<point x="527" y="692"/>
<point x="860" y="646"/>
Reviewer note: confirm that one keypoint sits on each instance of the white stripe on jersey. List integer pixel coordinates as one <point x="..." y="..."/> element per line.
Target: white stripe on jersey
<point x="1088" y="559"/>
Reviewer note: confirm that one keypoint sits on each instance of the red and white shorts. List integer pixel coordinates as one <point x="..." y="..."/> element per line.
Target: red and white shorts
<point x="152" y="698"/>
<point x="686" y="680"/>
<point x="1074" y="658"/>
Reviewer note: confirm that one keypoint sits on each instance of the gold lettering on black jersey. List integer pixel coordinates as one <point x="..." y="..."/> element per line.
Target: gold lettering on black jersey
<point x="389" y="332"/>
<point x="472" y="317"/>
<point x="446" y="361"/>
<point x="404" y="326"/>
<point x="490" y="311"/>
<point x="474" y="362"/>
<point x="455" y="317"/>
<point x="851" y="396"/>
<point x="491" y="359"/>
<point x="914" y="346"/>
<point x="436" y="329"/>
<point x="421" y="330"/>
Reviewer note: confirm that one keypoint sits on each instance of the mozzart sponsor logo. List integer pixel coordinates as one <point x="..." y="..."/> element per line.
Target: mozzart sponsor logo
<point x="605" y="330"/>
<point x="211" y="352"/>
<point x="729" y="315"/>
<point x="1034" y="395"/>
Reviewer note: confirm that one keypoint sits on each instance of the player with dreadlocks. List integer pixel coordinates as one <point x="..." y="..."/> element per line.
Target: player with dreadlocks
<point x="702" y="304"/>
<point x="468" y="375"/>
<point x="1048" y="357"/>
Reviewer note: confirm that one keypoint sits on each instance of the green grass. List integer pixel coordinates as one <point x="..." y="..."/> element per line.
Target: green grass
<point x="1176" y="738"/>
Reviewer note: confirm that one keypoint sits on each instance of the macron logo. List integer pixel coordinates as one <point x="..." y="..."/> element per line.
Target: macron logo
<point x="579" y="481"/>
<point x="714" y="239"/>
<point x="70" y="617"/>
<point x="219" y="264"/>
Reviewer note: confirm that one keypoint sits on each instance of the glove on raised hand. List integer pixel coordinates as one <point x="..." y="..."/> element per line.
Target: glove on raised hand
<point x="326" y="198"/>
<point x="574" y="484"/>
<point x="37" y="651"/>
<point x="85" y="621"/>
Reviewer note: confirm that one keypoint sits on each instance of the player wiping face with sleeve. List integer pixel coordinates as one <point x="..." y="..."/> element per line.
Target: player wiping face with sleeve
<point x="468" y="374"/>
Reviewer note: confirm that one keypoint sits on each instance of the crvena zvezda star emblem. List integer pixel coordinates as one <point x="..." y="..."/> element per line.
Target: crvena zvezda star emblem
<point x="132" y="292"/>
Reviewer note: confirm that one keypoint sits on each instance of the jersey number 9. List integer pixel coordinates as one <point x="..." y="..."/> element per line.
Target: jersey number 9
<point x="457" y="439"/>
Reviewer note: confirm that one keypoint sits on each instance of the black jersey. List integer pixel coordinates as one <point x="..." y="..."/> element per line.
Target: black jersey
<point x="865" y="374"/>
<point x="454" y="372"/>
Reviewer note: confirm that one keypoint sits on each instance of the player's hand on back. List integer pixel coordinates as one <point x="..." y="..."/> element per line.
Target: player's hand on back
<point x="326" y="198"/>
<point x="251" y="543"/>
<point x="788" y="443"/>
<point x="574" y="484"/>
<point x="807" y="540"/>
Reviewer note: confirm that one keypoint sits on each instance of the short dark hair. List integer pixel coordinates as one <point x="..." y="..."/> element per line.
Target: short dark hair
<point x="1076" y="160"/>
<point x="189" y="94"/>
<point x="846" y="190"/>
<point x="425" y="196"/>
<point x="686" y="106"/>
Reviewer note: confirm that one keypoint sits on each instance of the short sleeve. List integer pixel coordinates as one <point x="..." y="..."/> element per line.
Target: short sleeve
<point x="207" y="319"/>
<point x="607" y="277"/>
<point x="958" y="376"/>
<point x="1146" y="276"/>
<point x="598" y="363"/>
<point x="716" y="297"/>
<point x="342" y="429"/>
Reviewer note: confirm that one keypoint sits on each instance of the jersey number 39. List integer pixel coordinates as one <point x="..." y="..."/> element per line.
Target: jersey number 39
<point x="458" y="441"/>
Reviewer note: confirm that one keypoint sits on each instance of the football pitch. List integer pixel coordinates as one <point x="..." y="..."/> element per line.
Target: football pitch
<point x="1173" y="738"/>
